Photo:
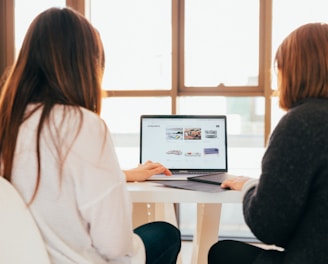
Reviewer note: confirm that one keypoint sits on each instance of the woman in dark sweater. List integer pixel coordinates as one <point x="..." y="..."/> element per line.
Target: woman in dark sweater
<point x="288" y="205"/>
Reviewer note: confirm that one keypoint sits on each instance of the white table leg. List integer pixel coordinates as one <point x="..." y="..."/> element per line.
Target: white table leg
<point x="207" y="230"/>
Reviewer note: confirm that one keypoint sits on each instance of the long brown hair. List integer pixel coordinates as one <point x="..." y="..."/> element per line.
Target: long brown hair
<point x="61" y="61"/>
<point x="302" y="61"/>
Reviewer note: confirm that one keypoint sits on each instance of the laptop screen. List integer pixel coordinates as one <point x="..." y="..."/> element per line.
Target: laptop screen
<point x="185" y="142"/>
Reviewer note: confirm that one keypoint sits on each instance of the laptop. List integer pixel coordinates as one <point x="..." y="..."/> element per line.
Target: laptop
<point x="188" y="145"/>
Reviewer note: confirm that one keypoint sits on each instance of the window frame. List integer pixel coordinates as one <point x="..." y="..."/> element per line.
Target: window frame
<point x="178" y="87"/>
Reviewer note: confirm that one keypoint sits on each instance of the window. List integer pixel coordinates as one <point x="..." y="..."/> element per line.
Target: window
<point x="137" y="41"/>
<point x="221" y="43"/>
<point x="283" y="23"/>
<point x="165" y="48"/>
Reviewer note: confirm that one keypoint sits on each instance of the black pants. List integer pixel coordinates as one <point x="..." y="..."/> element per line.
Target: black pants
<point x="232" y="252"/>
<point x="162" y="242"/>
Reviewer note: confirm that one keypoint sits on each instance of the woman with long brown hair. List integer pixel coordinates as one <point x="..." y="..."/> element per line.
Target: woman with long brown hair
<point x="58" y="152"/>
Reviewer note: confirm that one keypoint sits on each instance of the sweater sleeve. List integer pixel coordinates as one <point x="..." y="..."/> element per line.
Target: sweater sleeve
<point x="250" y="184"/>
<point x="273" y="208"/>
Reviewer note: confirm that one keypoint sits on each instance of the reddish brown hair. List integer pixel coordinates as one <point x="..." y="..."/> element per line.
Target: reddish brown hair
<point x="302" y="61"/>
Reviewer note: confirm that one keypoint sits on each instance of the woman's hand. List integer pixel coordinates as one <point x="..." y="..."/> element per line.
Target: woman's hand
<point x="146" y="170"/>
<point x="235" y="183"/>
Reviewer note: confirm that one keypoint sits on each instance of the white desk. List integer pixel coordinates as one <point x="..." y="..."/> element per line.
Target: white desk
<point x="154" y="202"/>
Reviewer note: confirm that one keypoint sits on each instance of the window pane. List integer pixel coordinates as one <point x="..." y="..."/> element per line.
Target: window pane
<point x="25" y="12"/>
<point x="221" y="42"/>
<point x="137" y="42"/>
<point x="284" y="23"/>
<point x="122" y="115"/>
<point x="245" y="116"/>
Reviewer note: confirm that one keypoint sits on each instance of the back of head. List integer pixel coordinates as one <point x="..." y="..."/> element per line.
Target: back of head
<point x="302" y="61"/>
<point x="61" y="61"/>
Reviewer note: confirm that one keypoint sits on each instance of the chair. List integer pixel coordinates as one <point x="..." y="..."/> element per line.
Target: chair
<point x="20" y="238"/>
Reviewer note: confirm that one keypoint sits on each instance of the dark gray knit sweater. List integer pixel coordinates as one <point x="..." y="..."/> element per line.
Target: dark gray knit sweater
<point x="289" y="207"/>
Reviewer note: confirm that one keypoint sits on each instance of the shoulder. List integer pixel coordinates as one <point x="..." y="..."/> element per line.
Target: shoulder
<point x="86" y="138"/>
<point x="78" y="130"/>
<point x="310" y="110"/>
<point x="308" y="117"/>
<point x="77" y="119"/>
<point x="68" y="111"/>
